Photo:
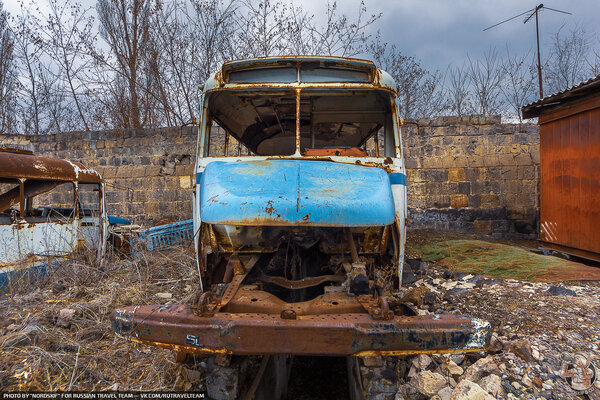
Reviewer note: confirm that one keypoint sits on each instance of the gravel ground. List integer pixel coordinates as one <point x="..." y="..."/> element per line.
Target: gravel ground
<point x="537" y="328"/>
<point x="57" y="335"/>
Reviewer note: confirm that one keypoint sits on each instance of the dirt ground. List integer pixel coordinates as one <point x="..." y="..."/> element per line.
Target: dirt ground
<point x="56" y="334"/>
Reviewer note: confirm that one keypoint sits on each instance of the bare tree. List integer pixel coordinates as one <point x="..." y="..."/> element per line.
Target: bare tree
<point x="340" y="36"/>
<point x="459" y="91"/>
<point x="519" y="84"/>
<point x="594" y="63"/>
<point x="299" y="32"/>
<point x="418" y="89"/>
<point x="7" y="78"/>
<point x="64" y="37"/>
<point x="212" y="27"/>
<point x="125" y="26"/>
<point x="54" y="102"/>
<point x="485" y="77"/>
<point x="277" y="28"/>
<point x="261" y="28"/>
<point x="567" y="63"/>
<point x="27" y="57"/>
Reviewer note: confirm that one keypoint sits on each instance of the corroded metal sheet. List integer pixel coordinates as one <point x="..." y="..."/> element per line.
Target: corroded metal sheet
<point x="176" y="327"/>
<point x="25" y="166"/>
<point x="289" y="192"/>
<point x="47" y="239"/>
<point x="570" y="182"/>
<point x="29" y="233"/>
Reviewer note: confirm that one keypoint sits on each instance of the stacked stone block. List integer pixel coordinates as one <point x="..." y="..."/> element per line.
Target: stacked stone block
<point x="147" y="171"/>
<point x="473" y="175"/>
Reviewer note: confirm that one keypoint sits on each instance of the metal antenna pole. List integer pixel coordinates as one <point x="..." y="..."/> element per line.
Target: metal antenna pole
<point x="537" y="32"/>
<point x="537" y="35"/>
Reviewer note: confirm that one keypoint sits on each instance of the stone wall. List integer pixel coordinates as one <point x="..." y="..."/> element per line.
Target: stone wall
<point x="147" y="171"/>
<point x="467" y="175"/>
<point x="473" y="175"/>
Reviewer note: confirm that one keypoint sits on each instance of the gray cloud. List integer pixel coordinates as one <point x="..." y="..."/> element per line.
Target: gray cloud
<point x="442" y="32"/>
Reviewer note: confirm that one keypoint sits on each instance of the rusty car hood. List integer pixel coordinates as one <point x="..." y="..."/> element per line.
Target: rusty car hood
<point x="295" y="192"/>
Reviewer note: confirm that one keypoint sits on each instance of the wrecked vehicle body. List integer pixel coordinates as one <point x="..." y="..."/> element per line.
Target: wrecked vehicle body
<point x="297" y="240"/>
<point x="49" y="208"/>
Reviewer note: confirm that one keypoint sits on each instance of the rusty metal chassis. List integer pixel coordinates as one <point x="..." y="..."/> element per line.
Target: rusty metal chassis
<point x="245" y="320"/>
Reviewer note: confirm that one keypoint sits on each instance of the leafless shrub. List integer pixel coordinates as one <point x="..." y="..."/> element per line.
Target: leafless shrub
<point x="486" y="77"/>
<point x="519" y="84"/>
<point x="459" y="91"/>
<point x="569" y="60"/>
<point x="420" y="91"/>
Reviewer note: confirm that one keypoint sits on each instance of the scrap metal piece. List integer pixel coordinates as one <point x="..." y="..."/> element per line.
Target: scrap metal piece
<point x="179" y="329"/>
<point x="378" y="308"/>
<point x="207" y="304"/>
<point x="240" y="275"/>
<point x="15" y="165"/>
<point x="303" y="283"/>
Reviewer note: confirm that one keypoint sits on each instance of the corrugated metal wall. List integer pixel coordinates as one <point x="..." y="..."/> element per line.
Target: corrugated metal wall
<point x="570" y="180"/>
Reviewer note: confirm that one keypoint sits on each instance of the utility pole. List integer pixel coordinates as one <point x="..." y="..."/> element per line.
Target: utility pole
<point x="534" y="11"/>
<point x="537" y="34"/>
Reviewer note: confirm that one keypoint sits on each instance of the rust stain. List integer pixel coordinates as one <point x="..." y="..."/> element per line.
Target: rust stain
<point x="270" y="209"/>
<point x="20" y="165"/>
<point x="336" y="333"/>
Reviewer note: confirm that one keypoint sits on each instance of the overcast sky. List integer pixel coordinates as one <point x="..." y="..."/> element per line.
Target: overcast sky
<point x="442" y="32"/>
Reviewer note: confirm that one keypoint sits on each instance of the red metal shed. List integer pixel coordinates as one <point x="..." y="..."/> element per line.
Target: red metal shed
<point x="570" y="168"/>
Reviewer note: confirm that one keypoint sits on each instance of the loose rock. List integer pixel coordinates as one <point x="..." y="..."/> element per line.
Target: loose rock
<point x="453" y="369"/>
<point x="422" y="361"/>
<point x="467" y="390"/>
<point x="445" y="393"/>
<point x="560" y="290"/>
<point x="481" y="368"/>
<point x="492" y="384"/>
<point x="522" y="349"/>
<point x="428" y="383"/>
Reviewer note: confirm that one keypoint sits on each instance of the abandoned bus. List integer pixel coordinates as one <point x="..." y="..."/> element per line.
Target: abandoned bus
<point x="49" y="208"/>
<point x="299" y="215"/>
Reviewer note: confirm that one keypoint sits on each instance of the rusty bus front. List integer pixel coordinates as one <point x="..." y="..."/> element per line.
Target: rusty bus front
<point x="299" y="220"/>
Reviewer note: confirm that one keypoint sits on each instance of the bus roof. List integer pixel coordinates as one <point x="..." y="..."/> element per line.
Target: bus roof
<point x="299" y="71"/>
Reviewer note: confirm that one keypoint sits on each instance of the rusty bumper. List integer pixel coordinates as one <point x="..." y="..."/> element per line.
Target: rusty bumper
<point x="178" y="328"/>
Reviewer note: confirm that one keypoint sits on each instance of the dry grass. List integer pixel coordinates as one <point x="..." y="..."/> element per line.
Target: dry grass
<point x="36" y="353"/>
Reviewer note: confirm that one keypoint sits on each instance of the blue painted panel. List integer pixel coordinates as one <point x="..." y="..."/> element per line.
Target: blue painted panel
<point x="285" y="192"/>
<point x="118" y="220"/>
<point x="164" y="236"/>
<point x="397" y="178"/>
<point x="21" y="276"/>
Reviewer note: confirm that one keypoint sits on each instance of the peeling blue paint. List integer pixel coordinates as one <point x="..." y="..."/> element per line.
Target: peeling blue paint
<point x="282" y="192"/>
